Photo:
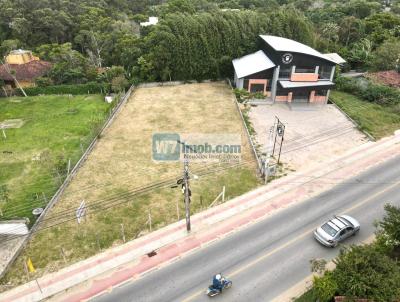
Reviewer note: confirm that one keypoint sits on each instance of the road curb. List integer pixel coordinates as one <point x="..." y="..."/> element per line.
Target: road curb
<point x="241" y="214"/>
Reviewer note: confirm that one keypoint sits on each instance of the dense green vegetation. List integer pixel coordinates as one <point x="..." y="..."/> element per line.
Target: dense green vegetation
<point x="377" y="120"/>
<point x="370" y="271"/>
<point x="195" y="39"/>
<point x="35" y="157"/>
<point x="371" y="92"/>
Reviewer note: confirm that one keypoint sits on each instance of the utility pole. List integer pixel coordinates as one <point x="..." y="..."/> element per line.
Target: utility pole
<point x="269" y="153"/>
<point x="186" y="192"/>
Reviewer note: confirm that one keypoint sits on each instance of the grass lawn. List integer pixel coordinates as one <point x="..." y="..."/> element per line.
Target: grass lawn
<point x="122" y="163"/>
<point x="34" y="157"/>
<point x="378" y="120"/>
<point x="308" y="296"/>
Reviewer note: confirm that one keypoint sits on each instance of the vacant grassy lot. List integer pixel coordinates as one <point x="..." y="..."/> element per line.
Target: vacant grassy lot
<point x="378" y="120"/>
<point x="34" y="157"/>
<point x="121" y="164"/>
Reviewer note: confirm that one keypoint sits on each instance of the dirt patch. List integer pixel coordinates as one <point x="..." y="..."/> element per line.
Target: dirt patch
<point x="390" y="78"/>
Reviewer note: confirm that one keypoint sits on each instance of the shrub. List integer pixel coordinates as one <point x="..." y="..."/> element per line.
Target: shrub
<point x="43" y="82"/>
<point x="69" y="89"/>
<point x="325" y="287"/>
<point x="119" y="83"/>
<point x="241" y="94"/>
<point x="374" y="93"/>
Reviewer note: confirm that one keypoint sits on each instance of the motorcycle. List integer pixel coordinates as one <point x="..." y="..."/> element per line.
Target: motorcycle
<point x="212" y="291"/>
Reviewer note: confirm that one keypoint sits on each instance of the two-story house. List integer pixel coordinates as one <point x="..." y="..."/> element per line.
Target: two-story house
<point x="287" y="71"/>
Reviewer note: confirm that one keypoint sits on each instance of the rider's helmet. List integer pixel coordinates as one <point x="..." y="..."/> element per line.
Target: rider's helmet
<point x="218" y="276"/>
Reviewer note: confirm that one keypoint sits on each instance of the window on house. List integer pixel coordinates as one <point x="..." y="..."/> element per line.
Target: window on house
<point x="324" y="72"/>
<point x="256" y="88"/>
<point x="281" y="92"/>
<point x="304" y="69"/>
<point x="284" y="72"/>
<point x="321" y="92"/>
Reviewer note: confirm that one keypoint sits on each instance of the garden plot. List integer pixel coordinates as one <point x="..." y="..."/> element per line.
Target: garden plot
<point x="121" y="165"/>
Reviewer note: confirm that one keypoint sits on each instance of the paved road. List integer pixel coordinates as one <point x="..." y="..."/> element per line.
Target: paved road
<point x="267" y="258"/>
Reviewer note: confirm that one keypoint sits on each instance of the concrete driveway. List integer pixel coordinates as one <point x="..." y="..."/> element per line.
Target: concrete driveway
<point x="311" y="136"/>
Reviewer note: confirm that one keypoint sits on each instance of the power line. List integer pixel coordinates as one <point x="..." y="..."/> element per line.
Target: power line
<point x="200" y="172"/>
<point x="312" y="142"/>
<point x="22" y="208"/>
<point x="114" y="202"/>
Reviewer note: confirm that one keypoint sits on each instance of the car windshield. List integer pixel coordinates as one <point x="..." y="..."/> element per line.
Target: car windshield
<point x="329" y="230"/>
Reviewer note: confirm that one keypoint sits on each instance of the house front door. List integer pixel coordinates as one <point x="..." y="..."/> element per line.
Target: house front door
<point x="301" y="97"/>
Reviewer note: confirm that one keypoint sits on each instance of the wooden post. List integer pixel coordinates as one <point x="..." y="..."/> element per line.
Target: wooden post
<point x="63" y="254"/>
<point x="149" y="220"/>
<point x="59" y="177"/>
<point x="37" y="282"/>
<point x="4" y="133"/>
<point x="98" y="241"/>
<point x="26" y="268"/>
<point x="177" y="209"/>
<point x="223" y="194"/>
<point x="69" y="166"/>
<point x="123" y="232"/>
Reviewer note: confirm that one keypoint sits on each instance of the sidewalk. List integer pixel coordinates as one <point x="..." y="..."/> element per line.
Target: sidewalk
<point x="117" y="265"/>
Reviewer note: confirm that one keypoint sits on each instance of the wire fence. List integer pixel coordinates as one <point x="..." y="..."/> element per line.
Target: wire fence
<point x="86" y="146"/>
<point x="85" y="240"/>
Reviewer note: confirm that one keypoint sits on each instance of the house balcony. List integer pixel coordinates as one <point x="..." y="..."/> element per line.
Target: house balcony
<point x="304" y="77"/>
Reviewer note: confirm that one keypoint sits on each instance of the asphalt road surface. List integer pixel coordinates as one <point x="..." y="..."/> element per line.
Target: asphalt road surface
<point x="268" y="257"/>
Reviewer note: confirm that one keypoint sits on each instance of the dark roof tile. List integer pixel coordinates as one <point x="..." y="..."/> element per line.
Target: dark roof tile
<point x="28" y="71"/>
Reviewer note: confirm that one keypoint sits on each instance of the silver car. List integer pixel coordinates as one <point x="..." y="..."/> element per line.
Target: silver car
<point x="337" y="229"/>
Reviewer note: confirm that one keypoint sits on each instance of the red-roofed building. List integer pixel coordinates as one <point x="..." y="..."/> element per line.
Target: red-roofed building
<point x="23" y="66"/>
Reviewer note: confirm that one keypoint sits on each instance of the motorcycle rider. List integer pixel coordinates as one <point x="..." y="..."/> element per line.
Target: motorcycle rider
<point x="218" y="282"/>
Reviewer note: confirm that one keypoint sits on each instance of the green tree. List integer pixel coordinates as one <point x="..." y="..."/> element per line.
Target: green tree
<point x="178" y="6"/>
<point x="351" y="30"/>
<point x="119" y="83"/>
<point x="364" y="272"/>
<point x="389" y="227"/>
<point x="360" y="53"/>
<point x="387" y="55"/>
<point x="7" y="45"/>
<point x="70" y="66"/>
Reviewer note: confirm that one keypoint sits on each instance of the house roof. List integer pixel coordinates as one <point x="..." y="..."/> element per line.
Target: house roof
<point x="283" y="44"/>
<point x="335" y="57"/>
<point x="290" y="84"/>
<point x="251" y="64"/>
<point x="28" y="71"/>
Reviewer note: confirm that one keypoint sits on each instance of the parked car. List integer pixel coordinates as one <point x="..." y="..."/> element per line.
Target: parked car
<point x="336" y="230"/>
